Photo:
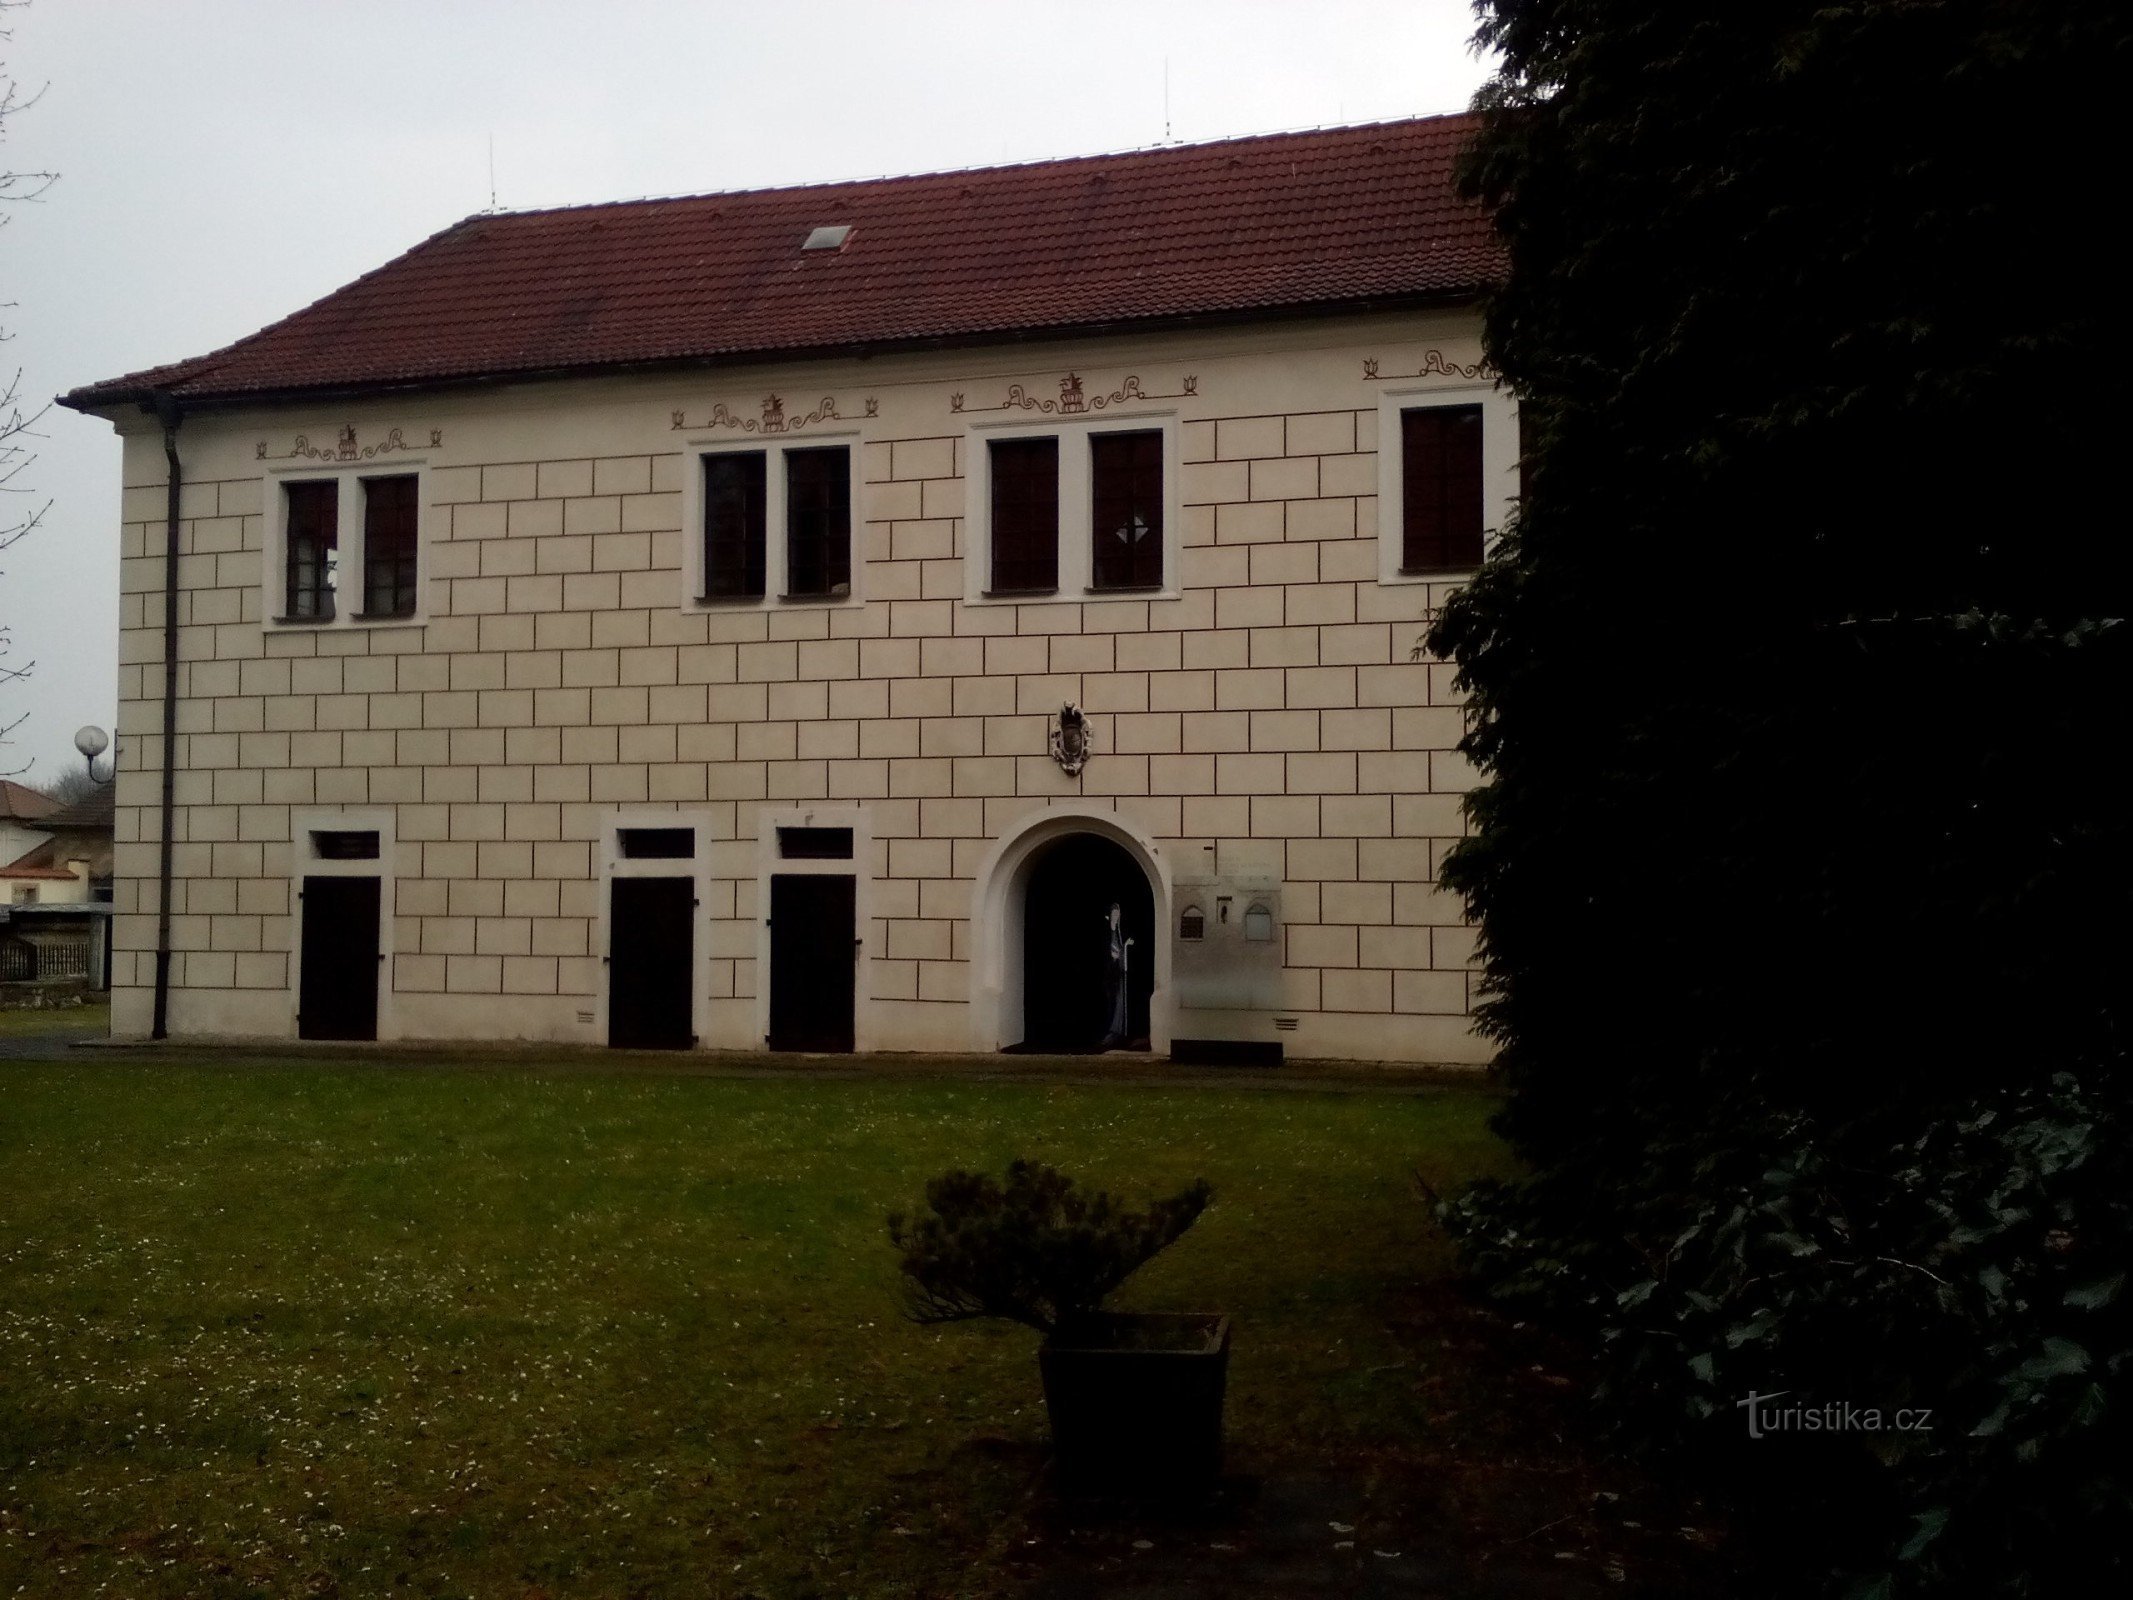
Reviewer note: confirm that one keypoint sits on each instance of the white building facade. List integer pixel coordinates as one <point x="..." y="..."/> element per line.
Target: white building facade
<point x="822" y="701"/>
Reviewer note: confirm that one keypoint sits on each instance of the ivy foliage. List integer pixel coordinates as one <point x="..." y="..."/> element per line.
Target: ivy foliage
<point x="1037" y="1248"/>
<point x="1802" y="860"/>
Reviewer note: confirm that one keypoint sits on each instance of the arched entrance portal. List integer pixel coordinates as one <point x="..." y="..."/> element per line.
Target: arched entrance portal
<point x="999" y="919"/>
<point x="1067" y="1004"/>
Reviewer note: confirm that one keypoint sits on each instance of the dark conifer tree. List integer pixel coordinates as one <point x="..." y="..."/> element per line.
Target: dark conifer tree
<point x="1799" y="686"/>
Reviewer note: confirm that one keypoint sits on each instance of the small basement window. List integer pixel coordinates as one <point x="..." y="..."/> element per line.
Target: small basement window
<point x="656" y="844"/>
<point x="815" y="844"/>
<point x="333" y="844"/>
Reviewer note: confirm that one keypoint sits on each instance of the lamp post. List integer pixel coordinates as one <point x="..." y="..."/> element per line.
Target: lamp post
<point x="92" y="742"/>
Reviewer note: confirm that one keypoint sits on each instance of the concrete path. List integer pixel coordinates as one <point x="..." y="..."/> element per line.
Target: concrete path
<point x="1115" y="1067"/>
<point x="56" y="1039"/>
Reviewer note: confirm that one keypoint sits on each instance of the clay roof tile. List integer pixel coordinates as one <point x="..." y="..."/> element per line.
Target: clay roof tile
<point x="1285" y="222"/>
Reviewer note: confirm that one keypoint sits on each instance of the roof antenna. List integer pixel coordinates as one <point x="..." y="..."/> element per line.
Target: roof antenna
<point x="1166" y="99"/>
<point x="492" y="174"/>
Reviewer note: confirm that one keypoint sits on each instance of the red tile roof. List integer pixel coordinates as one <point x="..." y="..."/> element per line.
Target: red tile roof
<point x="21" y="803"/>
<point x="1338" y="218"/>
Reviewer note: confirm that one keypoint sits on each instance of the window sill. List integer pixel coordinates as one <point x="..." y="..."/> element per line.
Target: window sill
<point x="1068" y="597"/>
<point x="1439" y="573"/>
<point x="1135" y="591"/>
<point x="759" y="602"/>
<point x="356" y="619"/>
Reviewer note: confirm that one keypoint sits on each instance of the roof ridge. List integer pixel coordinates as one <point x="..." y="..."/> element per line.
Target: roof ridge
<point x="877" y="180"/>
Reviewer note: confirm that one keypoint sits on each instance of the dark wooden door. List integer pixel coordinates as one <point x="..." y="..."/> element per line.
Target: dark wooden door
<point x="812" y="961"/>
<point x="1066" y="945"/>
<point x="651" y="952"/>
<point x="338" y="995"/>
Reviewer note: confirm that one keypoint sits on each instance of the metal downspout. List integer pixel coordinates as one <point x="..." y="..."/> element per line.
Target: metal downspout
<point x="167" y="411"/>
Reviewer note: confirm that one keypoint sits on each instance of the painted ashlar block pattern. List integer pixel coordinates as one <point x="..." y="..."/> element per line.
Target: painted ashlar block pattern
<point x="1274" y="707"/>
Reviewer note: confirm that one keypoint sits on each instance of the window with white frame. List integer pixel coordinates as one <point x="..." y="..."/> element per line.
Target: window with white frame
<point x="1447" y="470"/>
<point x="773" y="522"/>
<point x="1073" y="511"/>
<point x="346" y="548"/>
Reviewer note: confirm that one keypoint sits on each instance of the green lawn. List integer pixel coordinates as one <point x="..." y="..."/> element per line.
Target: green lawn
<point x="44" y="1022"/>
<point x="326" y="1328"/>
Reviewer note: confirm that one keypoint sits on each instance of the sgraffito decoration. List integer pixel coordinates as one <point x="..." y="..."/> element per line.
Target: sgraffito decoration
<point x="346" y="447"/>
<point x="1074" y="399"/>
<point x="771" y="417"/>
<point x="1434" y="365"/>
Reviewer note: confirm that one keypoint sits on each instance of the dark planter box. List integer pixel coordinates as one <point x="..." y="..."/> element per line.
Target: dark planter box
<point x="1136" y="1402"/>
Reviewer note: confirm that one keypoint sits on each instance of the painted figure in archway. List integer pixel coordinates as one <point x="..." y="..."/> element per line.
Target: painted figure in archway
<point x="1117" y="987"/>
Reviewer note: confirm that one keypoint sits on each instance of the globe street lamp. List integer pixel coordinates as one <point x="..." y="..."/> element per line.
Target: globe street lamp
<point x="92" y="742"/>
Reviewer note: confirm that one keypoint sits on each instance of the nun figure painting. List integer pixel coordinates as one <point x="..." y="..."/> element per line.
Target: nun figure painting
<point x="1117" y="985"/>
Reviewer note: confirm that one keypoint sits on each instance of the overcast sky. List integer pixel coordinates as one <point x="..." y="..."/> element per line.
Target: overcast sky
<point x="224" y="162"/>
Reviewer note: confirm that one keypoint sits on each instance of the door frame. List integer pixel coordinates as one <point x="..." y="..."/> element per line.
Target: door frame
<point x="999" y="898"/>
<point x="303" y="821"/>
<point x="867" y="943"/>
<point x="697" y="870"/>
<point x="316" y="885"/>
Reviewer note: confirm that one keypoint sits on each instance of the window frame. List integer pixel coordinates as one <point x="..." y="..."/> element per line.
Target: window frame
<point x="1499" y="471"/>
<point x="304" y="861"/>
<point x="1161" y="508"/>
<point x="771" y="862"/>
<point x="1077" y="509"/>
<point x="991" y="445"/>
<point x="777" y="560"/>
<point x="350" y="543"/>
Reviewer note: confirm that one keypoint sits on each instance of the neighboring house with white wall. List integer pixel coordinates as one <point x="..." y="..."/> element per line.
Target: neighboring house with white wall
<point x="801" y="615"/>
<point x="73" y="858"/>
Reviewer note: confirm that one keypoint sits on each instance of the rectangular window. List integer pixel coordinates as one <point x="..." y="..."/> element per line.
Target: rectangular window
<point x="1440" y="479"/>
<point x="656" y="844"/>
<point x="389" y="546"/>
<point x="818" y="522"/>
<point x="733" y="525"/>
<point x="313" y="546"/>
<point x="1025" y="515"/>
<point x="339" y="844"/>
<point x="815" y="844"/>
<point x="1126" y="497"/>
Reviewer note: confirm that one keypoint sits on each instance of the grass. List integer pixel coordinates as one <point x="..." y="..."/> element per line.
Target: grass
<point x="331" y="1328"/>
<point x="47" y="1022"/>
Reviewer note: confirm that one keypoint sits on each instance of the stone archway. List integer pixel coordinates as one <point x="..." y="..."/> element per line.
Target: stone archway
<point x="1000" y="910"/>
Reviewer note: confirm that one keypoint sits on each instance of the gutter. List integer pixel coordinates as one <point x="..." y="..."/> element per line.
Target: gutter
<point x="166" y="410"/>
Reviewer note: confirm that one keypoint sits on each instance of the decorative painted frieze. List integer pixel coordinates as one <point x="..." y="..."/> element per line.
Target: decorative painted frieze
<point x="1435" y="364"/>
<point x="347" y="447"/>
<point x="771" y="417"/>
<point x="1073" y="399"/>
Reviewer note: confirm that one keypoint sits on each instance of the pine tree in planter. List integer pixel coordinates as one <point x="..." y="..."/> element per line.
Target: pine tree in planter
<point x="1135" y="1399"/>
